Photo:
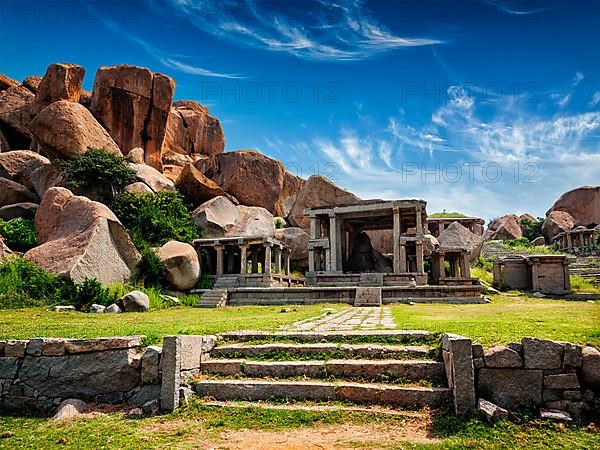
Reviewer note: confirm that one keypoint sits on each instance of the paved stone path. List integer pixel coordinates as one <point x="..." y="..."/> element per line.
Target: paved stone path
<point x="370" y="318"/>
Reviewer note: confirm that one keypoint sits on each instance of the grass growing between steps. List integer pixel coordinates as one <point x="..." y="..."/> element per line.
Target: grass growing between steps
<point x="43" y="322"/>
<point x="507" y="319"/>
<point x="199" y="426"/>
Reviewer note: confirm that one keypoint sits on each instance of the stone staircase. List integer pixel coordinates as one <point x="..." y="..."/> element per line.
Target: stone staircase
<point x="586" y="267"/>
<point x="226" y="282"/>
<point x="395" y="368"/>
<point x="214" y="298"/>
<point x="494" y="249"/>
<point x="367" y="296"/>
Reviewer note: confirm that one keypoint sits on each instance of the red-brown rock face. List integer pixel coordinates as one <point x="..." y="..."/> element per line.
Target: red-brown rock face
<point x="504" y="228"/>
<point x="133" y="104"/>
<point x="254" y="179"/>
<point x="193" y="131"/>
<point x="61" y="82"/>
<point x="557" y="222"/>
<point x="583" y="204"/>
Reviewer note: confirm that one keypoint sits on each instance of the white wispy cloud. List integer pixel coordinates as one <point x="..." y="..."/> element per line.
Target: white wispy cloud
<point x="310" y="29"/>
<point x="595" y="99"/>
<point x="167" y="59"/>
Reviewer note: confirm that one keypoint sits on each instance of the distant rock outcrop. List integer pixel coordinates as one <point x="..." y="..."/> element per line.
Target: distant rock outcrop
<point x="15" y="117"/>
<point x="318" y="191"/>
<point x="134" y="104"/>
<point x="583" y="204"/>
<point x="254" y="179"/>
<point x="504" y="228"/>
<point x="7" y="82"/>
<point x="197" y="188"/>
<point x="193" y="131"/>
<point x="557" y="222"/>
<point x="456" y="235"/>
<point x="82" y="239"/>
<point x="61" y="82"/>
<point x="66" y="129"/>
<point x="219" y="217"/>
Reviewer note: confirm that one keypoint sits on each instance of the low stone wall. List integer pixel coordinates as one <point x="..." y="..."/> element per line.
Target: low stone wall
<point x="531" y="373"/>
<point x="37" y="374"/>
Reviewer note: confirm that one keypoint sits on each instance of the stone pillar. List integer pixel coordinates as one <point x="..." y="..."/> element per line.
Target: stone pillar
<point x="278" y="255"/>
<point x="287" y="259"/>
<point x="567" y="275"/>
<point x="441" y="227"/>
<point x="457" y="353"/>
<point x="255" y="257"/>
<point x="453" y="266"/>
<point x="311" y="259"/>
<point x="243" y="259"/>
<point x="419" y="225"/>
<point x="332" y="262"/>
<point x="230" y="262"/>
<point x="267" y="263"/>
<point x="219" y="250"/>
<point x="535" y="280"/>
<point x="419" y="248"/>
<point x="402" y="253"/>
<point x="569" y="241"/>
<point x="396" y="240"/>
<point x="465" y="267"/>
<point x="441" y="267"/>
<point x="314" y="228"/>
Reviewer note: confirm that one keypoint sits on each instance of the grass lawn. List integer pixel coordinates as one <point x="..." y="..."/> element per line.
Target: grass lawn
<point x="505" y="319"/>
<point x="198" y="426"/>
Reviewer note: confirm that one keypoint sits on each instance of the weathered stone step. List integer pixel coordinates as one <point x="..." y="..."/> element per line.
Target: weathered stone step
<point x="332" y="336"/>
<point x="380" y="394"/>
<point x="321" y="351"/>
<point x="404" y="371"/>
<point x="213" y="298"/>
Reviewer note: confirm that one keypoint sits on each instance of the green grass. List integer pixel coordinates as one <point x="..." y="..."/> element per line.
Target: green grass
<point x="196" y="426"/>
<point x="523" y="245"/>
<point x="507" y="319"/>
<point x="579" y="284"/>
<point x="42" y="322"/>
<point x="443" y="215"/>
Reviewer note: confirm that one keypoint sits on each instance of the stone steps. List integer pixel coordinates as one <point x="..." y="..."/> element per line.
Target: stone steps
<point x="368" y="296"/>
<point x="321" y="351"/>
<point x="401" y="371"/>
<point x="367" y="393"/>
<point x="373" y="336"/>
<point x="214" y="298"/>
<point x="226" y="282"/>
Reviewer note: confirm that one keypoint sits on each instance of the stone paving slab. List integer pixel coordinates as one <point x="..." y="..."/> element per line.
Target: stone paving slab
<point x="366" y="318"/>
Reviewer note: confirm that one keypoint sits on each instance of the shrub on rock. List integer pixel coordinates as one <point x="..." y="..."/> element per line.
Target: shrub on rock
<point x="19" y="234"/>
<point x="154" y="219"/>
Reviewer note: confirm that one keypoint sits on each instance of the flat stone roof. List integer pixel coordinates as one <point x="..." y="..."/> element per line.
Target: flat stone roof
<point x="237" y="240"/>
<point x="365" y="206"/>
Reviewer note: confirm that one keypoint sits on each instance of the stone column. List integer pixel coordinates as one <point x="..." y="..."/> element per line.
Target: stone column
<point x="314" y="228"/>
<point x="278" y="255"/>
<point x="230" y="262"/>
<point x="311" y="259"/>
<point x="267" y="264"/>
<point x="567" y="275"/>
<point x="243" y="259"/>
<point x="419" y="225"/>
<point x="441" y="267"/>
<point x="287" y="260"/>
<point x="535" y="281"/>
<point x="420" y="266"/>
<point x="465" y="267"/>
<point x="396" y="240"/>
<point x="333" y="245"/>
<point x="254" y="254"/>
<point x="219" y="250"/>
<point x="569" y="241"/>
<point x="402" y="253"/>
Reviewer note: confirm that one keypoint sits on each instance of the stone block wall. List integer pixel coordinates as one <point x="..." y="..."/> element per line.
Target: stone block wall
<point x="37" y="374"/>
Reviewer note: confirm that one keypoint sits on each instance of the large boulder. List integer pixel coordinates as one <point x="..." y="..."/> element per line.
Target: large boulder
<point x="61" y="82"/>
<point x="135" y="301"/>
<point x="590" y="371"/>
<point x="82" y="239"/>
<point x="296" y="239"/>
<point x="193" y="131"/>
<point x="152" y="178"/>
<point x="219" y="217"/>
<point x="134" y="104"/>
<point x="172" y="172"/>
<point x="66" y="129"/>
<point x="4" y="145"/>
<point x="170" y="158"/>
<point x="197" y="188"/>
<point x="583" y="204"/>
<point x="557" y="222"/>
<point x="32" y="83"/>
<point x="254" y="179"/>
<point x="318" y="191"/>
<point x="504" y="228"/>
<point x="11" y="193"/>
<point x="46" y="177"/>
<point x="18" y="165"/>
<point x="456" y="235"/>
<point x="7" y="82"/>
<point x="183" y="266"/>
<point x="25" y="210"/>
<point x="15" y="116"/>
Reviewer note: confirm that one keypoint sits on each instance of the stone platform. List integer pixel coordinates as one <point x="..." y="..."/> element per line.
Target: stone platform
<point x="389" y="295"/>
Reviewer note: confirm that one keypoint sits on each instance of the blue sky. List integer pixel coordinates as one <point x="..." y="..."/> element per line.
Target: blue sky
<point x="483" y="106"/>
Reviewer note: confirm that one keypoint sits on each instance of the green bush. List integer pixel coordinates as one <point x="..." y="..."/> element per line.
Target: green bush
<point x="19" y="234"/>
<point x="99" y="171"/>
<point x="280" y="223"/>
<point x="24" y="284"/>
<point x="151" y="270"/>
<point x="154" y="219"/>
<point x="532" y="229"/>
<point x="91" y="292"/>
